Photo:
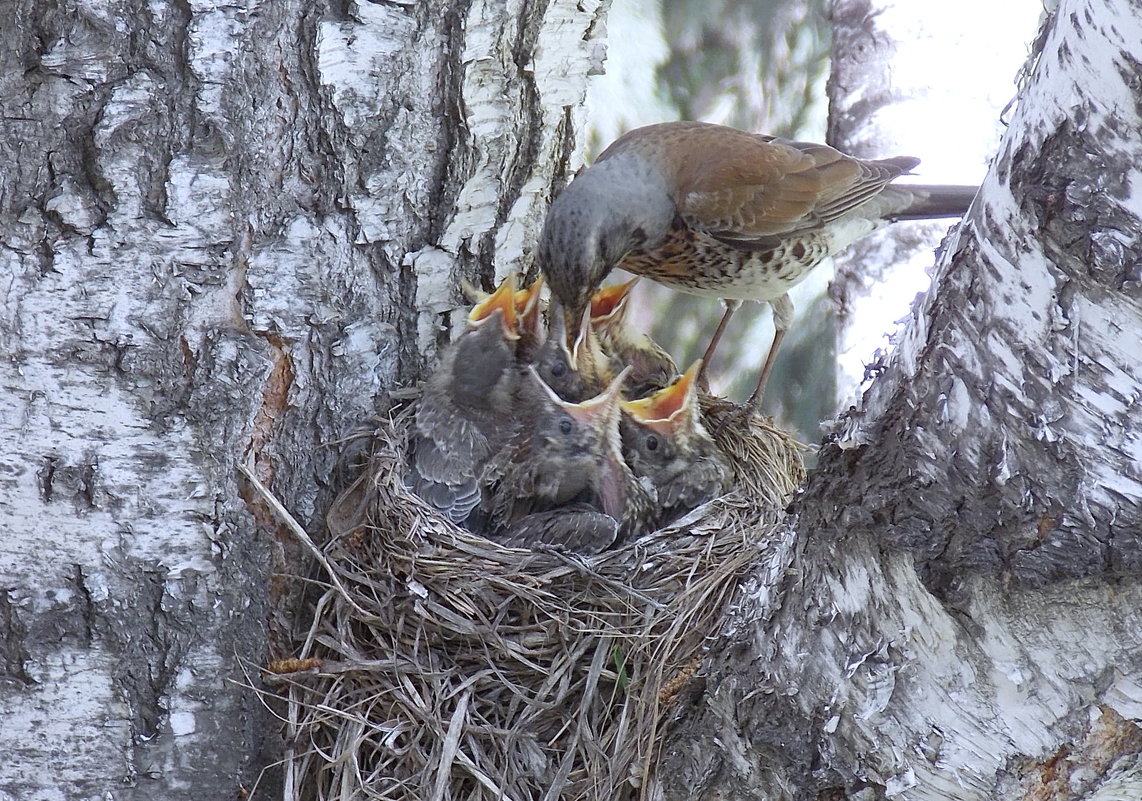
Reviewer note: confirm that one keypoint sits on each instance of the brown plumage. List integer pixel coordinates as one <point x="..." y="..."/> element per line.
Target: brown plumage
<point x="712" y="210"/>
<point x="665" y="442"/>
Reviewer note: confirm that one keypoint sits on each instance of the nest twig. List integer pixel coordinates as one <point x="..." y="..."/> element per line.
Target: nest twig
<point x="439" y="665"/>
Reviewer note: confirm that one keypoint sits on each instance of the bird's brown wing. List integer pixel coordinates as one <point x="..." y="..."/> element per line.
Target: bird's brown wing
<point x="716" y="172"/>
<point x="742" y="187"/>
<point x="782" y="188"/>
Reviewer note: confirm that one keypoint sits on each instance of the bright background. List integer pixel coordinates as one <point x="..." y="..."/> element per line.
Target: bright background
<point x="762" y="65"/>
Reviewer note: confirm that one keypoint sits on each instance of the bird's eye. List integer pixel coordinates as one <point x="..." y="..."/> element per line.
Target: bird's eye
<point x="651" y="442"/>
<point x="565" y="426"/>
<point x="558" y="368"/>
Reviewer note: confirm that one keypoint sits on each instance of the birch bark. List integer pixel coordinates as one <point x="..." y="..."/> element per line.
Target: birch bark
<point x="228" y="231"/>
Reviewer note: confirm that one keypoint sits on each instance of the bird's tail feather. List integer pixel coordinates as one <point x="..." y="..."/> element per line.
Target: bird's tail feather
<point x="929" y="202"/>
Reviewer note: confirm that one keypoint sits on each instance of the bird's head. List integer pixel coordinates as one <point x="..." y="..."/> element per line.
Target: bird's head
<point x="577" y="445"/>
<point x="664" y="442"/>
<point x="667" y="417"/>
<point x="618" y="204"/>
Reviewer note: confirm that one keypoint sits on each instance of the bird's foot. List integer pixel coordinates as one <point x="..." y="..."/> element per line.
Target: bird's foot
<point x="735" y="418"/>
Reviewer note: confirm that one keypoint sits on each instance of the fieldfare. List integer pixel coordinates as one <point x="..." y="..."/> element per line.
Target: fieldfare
<point x="465" y="414"/>
<point x="564" y="454"/>
<point x="712" y="210"/>
<point x="651" y="366"/>
<point x="664" y="441"/>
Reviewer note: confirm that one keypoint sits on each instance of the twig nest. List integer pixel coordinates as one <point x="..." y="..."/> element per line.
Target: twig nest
<point x="441" y="665"/>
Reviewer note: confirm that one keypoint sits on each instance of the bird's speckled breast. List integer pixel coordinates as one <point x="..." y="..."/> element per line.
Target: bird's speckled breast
<point x="696" y="263"/>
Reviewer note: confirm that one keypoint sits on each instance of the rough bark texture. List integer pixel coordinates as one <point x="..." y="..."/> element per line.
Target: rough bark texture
<point x="229" y="234"/>
<point x="957" y="611"/>
<point x="226" y="235"/>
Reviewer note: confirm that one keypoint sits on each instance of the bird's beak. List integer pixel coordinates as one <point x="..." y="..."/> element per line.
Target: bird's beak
<point x="503" y="301"/>
<point x="595" y="411"/>
<point x="573" y="322"/>
<point x="557" y="327"/>
<point x="586" y="353"/>
<point x="601" y="412"/>
<point x="610" y="301"/>
<point x="667" y="410"/>
<point x="529" y="309"/>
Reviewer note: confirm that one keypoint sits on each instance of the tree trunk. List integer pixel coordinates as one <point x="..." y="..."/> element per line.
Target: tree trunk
<point x="227" y="235"/>
<point x="955" y="612"/>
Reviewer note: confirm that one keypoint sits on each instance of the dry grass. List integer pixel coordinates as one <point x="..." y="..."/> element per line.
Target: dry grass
<point x="440" y="666"/>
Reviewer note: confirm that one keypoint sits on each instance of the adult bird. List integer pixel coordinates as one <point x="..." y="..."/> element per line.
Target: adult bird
<point x="712" y="210"/>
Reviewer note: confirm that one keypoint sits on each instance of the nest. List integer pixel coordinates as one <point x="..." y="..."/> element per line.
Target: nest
<point x="440" y="665"/>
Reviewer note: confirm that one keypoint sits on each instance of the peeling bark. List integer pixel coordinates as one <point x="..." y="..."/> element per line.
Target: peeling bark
<point x="226" y="234"/>
<point x="957" y="611"/>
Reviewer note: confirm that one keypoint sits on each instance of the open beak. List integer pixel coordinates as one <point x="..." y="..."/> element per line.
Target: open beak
<point x="529" y="310"/>
<point x="593" y="411"/>
<point x="610" y="301"/>
<point x="667" y="410"/>
<point x="503" y="301"/>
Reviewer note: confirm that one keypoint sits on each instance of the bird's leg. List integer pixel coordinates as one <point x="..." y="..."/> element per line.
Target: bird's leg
<point x="703" y="375"/>
<point x="754" y="401"/>
<point x="782" y="319"/>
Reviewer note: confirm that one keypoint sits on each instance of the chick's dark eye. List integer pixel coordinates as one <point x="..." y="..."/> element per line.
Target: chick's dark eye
<point x="651" y="442"/>
<point x="565" y="426"/>
<point x="558" y="369"/>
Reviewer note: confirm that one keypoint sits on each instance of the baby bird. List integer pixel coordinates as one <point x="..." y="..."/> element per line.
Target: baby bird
<point x="529" y="314"/>
<point x="579" y="528"/>
<point x="465" y="411"/>
<point x="665" y="442"/>
<point x="554" y="362"/>
<point x="565" y="457"/>
<point x="652" y="367"/>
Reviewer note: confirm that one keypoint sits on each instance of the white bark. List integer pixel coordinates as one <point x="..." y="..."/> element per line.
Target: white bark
<point x="956" y="611"/>
<point x="218" y="229"/>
